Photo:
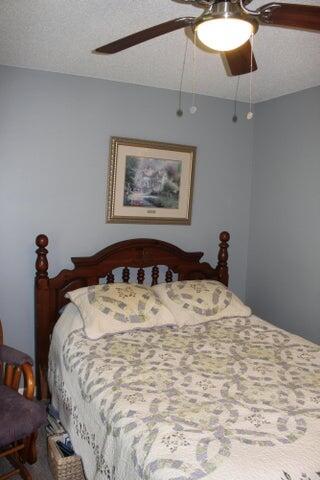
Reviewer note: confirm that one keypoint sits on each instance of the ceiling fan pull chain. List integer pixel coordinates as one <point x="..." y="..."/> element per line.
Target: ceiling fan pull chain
<point x="193" y="107"/>
<point x="180" y="109"/>
<point x="235" y="116"/>
<point x="250" y="113"/>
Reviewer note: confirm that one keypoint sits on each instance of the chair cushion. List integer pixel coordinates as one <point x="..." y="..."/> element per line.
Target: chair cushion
<point x="19" y="416"/>
<point x="13" y="356"/>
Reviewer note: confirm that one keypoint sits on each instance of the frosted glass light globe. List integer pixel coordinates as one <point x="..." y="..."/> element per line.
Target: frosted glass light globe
<point x="224" y="34"/>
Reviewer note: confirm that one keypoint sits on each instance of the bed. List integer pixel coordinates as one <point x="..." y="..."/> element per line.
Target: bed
<point x="235" y="398"/>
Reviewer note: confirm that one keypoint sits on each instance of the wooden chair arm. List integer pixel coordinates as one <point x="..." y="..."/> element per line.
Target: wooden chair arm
<point x="14" y="363"/>
<point x="12" y="376"/>
<point x="29" y="381"/>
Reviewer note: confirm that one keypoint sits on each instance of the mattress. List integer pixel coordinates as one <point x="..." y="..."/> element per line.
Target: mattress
<point x="231" y="399"/>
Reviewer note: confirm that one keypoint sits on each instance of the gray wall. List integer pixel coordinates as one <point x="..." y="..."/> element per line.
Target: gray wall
<point x="284" y="260"/>
<point x="54" y="140"/>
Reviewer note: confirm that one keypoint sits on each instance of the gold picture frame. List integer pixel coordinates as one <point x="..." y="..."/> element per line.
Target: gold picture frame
<point x="150" y="182"/>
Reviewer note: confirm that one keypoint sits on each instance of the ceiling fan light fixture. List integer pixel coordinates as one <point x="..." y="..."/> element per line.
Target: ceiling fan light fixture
<point x="224" y="34"/>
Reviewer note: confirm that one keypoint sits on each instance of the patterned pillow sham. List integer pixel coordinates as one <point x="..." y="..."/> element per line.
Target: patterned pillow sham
<point x="197" y="301"/>
<point x="119" y="307"/>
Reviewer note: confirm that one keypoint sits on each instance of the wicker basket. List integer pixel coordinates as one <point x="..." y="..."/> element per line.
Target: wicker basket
<point x="63" y="468"/>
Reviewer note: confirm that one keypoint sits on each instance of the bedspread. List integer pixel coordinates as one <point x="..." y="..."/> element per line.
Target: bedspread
<point x="232" y="399"/>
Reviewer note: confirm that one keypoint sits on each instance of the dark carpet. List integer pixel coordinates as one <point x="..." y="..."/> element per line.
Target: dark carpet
<point x="40" y="470"/>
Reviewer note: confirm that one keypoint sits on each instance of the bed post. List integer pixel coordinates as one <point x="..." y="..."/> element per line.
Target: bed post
<point x="223" y="255"/>
<point x="42" y="306"/>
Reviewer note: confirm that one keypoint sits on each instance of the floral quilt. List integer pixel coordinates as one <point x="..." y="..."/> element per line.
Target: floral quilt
<point x="231" y="399"/>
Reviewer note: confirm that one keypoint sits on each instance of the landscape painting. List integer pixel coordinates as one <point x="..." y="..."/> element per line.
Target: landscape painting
<point x="150" y="182"/>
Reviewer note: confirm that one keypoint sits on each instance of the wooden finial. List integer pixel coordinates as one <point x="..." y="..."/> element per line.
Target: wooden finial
<point x="42" y="261"/>
<point x="223" y="256"/>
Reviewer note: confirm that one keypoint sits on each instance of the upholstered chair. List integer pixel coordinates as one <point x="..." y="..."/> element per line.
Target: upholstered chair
<point x="20" y="415"/>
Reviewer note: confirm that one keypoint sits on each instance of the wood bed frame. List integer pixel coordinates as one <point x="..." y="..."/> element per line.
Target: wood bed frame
<point x="136" y="253"/>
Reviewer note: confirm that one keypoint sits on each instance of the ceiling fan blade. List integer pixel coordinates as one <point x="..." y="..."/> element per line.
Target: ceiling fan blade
<point x="197" y="3"/>
<point x="144" y="35"/>
<point x="238" y="61"/>
<point x="290" y="15"/>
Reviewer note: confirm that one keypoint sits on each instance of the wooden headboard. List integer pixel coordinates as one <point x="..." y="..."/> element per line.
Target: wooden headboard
<point x="136" y="253"/>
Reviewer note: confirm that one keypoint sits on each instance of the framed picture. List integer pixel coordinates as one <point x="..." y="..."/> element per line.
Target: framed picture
<point x="150" y="182"/>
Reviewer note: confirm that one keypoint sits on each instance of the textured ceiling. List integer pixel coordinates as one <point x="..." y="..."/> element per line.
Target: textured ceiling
<point x="59" y="35"/>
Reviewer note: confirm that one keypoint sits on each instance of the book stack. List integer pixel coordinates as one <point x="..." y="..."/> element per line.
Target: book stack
<point x="65" y="446"/>
<point x="54" y="426"/>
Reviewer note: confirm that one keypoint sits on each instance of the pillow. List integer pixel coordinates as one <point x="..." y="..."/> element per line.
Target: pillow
<point x="119" y="307"/>
<point x="197" y="301"/>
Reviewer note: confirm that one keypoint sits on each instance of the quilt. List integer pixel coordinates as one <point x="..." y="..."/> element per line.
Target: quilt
<point x="231" y="399"/>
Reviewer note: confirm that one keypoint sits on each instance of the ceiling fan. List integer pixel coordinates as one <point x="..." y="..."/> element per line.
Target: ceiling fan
<point x="226" y="26"/>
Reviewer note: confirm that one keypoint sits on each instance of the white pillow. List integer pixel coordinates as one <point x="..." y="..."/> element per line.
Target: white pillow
<point x="119" y="307"/>
<point x="197" y="301"/>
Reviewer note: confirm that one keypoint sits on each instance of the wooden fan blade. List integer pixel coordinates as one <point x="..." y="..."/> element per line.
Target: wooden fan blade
<point x="238" y="61"/>
<point x="303" y="17"/>
<point x="144" y="35"/>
